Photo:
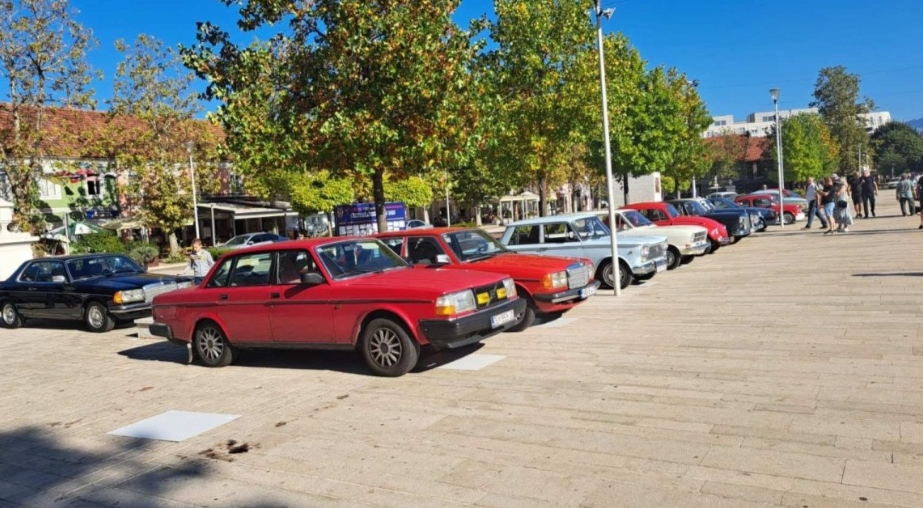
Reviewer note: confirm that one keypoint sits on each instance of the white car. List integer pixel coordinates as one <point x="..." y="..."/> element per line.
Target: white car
<point x="685" y="242"/>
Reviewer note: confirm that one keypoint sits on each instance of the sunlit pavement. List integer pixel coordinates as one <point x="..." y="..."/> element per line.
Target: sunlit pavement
<point x="784" y="370"/>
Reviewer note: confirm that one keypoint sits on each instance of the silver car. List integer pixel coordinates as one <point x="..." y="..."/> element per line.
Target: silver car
<point x="251" y="239"/>
<point x="583" y="235"/>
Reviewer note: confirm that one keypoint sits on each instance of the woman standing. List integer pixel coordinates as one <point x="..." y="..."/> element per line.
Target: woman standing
<point x="843" y="217"/>
<point x="827" y="200"/>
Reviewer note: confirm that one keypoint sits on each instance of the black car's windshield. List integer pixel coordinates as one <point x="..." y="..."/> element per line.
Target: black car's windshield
<point x="473" y="244"/>
<point x="86" y="267"/>
<point x="695" y="208"/>
<point x="355" y="257"/>
<point x="724" y="203"/>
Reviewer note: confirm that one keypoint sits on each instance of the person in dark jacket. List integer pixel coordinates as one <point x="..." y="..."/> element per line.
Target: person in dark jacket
<point x="869" y="191"/>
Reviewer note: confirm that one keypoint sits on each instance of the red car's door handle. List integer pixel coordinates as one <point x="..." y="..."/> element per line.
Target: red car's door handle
<point x="222" y="297"/>
<point x="274" y="295"/>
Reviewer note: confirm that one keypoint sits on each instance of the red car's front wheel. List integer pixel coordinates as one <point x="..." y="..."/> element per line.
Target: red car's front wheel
<point x="388" y="349"/>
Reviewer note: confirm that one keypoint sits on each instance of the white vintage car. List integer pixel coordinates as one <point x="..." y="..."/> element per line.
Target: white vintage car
<point x="583" y="235"/>
<point x="686" y="242"/>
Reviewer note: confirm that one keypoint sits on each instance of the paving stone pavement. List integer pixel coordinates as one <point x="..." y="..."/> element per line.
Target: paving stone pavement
<point x="782" y="371"/>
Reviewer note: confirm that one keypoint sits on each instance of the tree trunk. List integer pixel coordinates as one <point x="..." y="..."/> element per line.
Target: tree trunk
<point x="174" y="244"/>
<point x="378" y="192"/>
<point x="541" y="195"/>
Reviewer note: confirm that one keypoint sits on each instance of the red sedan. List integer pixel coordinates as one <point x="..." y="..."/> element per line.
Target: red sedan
<point x="548" y="284"/>
<point x="791" y="213"/>
<point x="334" y="293"/>
<point x="665" y="214"/>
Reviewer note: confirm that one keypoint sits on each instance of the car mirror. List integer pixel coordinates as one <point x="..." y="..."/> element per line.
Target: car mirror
<point x="58" y="279"/>
<point x="312" y="278"/>
<point x="442" y="259"/>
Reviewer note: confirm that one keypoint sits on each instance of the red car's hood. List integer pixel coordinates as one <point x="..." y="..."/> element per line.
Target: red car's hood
<point x="434" y="278"/>
<point x="509" y="262"/>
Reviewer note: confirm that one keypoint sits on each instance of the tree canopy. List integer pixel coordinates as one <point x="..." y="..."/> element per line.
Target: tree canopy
<point x="836" y="95"/>
<point x="898" y="146"/>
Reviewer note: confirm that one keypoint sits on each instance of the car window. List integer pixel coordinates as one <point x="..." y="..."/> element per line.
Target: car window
<point x="252" y="269"/>
<point x="238" y="240"/>
<point x="357" y="257"/>
<point x="423" y="249"/>
<point x="671" y="211"/>
<point x="634" y="218"/>
<point x="220" y="278"/>
<point x="590" y="228"/>
<point x="654" y="214"/>
<point x="43" y="271"/>
<point x="525" y="235"/>
<point x="559" y="232"/>
<point x="394" y="244"/>
<point x="473" y="244"/>
<point x="293" y="264"/>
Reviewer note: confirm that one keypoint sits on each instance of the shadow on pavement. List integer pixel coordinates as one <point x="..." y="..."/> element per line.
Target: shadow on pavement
<point x="349" y="362"/>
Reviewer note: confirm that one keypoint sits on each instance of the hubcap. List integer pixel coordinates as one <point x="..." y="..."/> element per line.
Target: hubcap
<point x="9" y="313"/>
<point x="211" y="345"/>
<point x="671" y="259"/>
<point x="95" y="317"/>
<point x="385" y="347"/>
<point x="609" y="276"/>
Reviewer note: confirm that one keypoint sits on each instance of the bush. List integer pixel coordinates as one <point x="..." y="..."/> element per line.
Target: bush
<point x="143" y="254"/>
<point x="217" y="252"/>
<point x="98" y="242"/>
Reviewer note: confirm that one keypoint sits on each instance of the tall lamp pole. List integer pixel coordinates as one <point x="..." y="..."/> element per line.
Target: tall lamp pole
<point x="774" y="93"/>
<point x="448" y="212"/>
<point x="195" y="203"/>
<point x="609" y="180"/>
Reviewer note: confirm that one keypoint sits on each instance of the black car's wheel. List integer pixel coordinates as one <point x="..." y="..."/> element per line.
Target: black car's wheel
<point x="687" y="259"/>
<point x="715" y="245"/>
<point x="674" y="259"/>
<point x="789" y="217"/>
<point x="387" y="348"/>
<point x="97" y="318"/>
<point x="604" y="274"/>
<point x="9" y="316"/>
<point x="211" y="345"/>
<point x="524" y="318"/>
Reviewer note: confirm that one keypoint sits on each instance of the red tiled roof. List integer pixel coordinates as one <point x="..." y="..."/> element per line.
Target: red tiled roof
<point x="80" y="133"/>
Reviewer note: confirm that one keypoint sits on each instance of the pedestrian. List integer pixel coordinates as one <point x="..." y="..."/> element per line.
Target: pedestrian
<point x="841" y="210"/>
<point x="904" y="194"/>
<point x="855" y="189"/>
<point x="827" y="197"/>
<point x="813" y="209"/>
<point x="869" y="191"/>
<point x="200" y="261"/>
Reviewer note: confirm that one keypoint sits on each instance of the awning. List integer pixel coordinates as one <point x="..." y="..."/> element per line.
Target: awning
<point x="240" y="211"/>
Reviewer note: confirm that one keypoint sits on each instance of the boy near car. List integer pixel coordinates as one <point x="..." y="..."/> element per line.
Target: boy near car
<point x="200" y="261"/>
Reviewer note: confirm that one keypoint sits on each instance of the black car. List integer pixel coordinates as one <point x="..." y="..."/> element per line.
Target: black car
<point x="737" y="222"/>
<point x="766" y="216"/>
<point x="99" y="289"/>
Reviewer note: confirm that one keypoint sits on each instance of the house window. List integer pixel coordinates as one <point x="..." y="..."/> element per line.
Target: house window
<point x="93" y="186"/>
<point x="48" y="189"/>
<point x="769" y="119"/>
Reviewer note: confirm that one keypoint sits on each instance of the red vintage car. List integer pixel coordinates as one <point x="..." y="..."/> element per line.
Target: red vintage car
<point x="548" y="284"/>
<point x="334" y="293"/>
<point x="665" y="214"/>
<point x="792" y="212"/>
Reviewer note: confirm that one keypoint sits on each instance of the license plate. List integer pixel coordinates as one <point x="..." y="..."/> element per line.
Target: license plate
<point x="502" y="319"/>
<point x="587" y="292"/>
<point x="661" y="265"/>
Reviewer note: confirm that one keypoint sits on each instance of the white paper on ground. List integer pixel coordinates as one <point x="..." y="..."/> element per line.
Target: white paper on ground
<point x="472" y="362"/>
<point x="174" y="425"/>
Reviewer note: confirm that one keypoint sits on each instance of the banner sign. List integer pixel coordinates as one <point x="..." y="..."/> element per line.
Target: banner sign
<point x="358" y="219"/>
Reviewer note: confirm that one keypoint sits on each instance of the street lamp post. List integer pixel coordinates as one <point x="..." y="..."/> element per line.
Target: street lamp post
<point x="448" y="212"/>
<point x="774" y="93"/>
<point x="609" y="180"/>
<point x="195" y="203"/>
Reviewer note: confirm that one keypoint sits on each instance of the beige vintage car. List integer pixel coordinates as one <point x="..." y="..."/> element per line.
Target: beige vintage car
<point x="685" y="242"/>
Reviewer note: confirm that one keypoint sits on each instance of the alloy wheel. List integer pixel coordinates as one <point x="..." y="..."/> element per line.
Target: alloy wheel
<point x="211" y="344"/>
<point x="385" y="347"/>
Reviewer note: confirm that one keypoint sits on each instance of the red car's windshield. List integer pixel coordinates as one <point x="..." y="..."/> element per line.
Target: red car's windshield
<point x="356" y="257"/>
<point x="473" y="244"/>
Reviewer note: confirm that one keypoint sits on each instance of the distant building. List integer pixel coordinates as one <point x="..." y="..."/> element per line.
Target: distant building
<point x="759" y="124"/>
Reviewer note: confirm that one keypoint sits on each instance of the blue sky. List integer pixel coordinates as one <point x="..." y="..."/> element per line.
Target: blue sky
<point x="737" y="50"/>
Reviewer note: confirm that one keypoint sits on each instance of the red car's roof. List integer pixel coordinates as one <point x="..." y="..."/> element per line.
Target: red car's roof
<point x="419" y="231"/>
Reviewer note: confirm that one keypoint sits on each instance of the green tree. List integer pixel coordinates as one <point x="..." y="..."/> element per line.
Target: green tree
<point x="807" y="149"/>
<point x="357" y="88"/>
<point x="154" y="104"/>
<point x="318" y="192"/>
<point x="727" y="150"/>
<point x="542" y="68"/>
<point x="898" y="145"/>
<point x="43" y="61"/>
<point x="413" y="192"/>
<point x="836" y="95"/>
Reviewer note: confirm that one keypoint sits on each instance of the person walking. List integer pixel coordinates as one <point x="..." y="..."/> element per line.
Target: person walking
<point x="869" y="191"/>
<point x="813" y="209"/>
<point x="843" y="217"/>
<point x="904" y="194"/>
<point x="855" y="189"/>
<point x="200" y="261"/>
<point x="827" y="196"/>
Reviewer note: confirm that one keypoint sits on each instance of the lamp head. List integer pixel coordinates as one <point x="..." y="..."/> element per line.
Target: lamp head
<point x="774" y="93"/>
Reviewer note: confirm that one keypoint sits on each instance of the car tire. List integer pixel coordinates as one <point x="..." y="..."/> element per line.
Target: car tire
<point x="97" y="318"/>
<point x="687" y="259"/>
<point x="715" y="245"/>
<point x="211" y="346"/>
<point x="387" y="348"/>
<point x="604" y="274"/>
<point x="526" y="318"/>
<point x="9" y="316"/>
<point x="674" y="258"/>
<point x="624" y="275"/>
<point x="789" y="218"/>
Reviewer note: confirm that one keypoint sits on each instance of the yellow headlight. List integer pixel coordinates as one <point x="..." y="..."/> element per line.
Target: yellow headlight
<point x="117" y="298"/>
<point x="501" y="293"/>
<point x="483" y="298"/>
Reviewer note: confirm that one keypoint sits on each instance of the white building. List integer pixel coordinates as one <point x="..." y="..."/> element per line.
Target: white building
<point x="759" y="124"/>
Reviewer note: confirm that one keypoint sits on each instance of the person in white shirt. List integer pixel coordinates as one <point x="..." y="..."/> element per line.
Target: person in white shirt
<point x="811" y="196"/>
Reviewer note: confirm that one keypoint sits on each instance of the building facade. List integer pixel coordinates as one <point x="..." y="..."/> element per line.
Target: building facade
<point x="759" y="124"/>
